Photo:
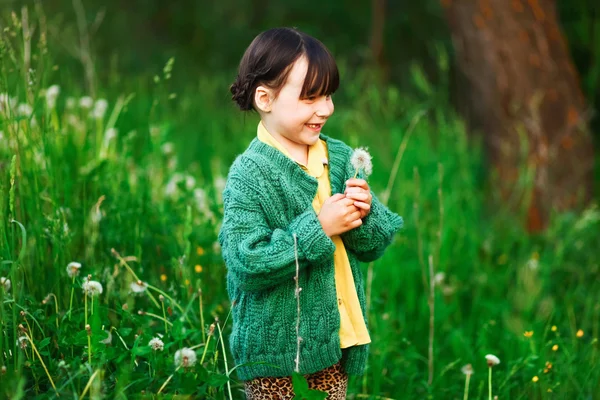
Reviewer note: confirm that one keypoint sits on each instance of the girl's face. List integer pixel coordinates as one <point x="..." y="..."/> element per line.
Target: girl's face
<point x="294" y="122"/>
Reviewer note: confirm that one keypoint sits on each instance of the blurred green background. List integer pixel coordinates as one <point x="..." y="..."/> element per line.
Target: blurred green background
<point x="142" y="174"/>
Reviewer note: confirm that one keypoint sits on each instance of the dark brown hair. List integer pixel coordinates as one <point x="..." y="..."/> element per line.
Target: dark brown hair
<point x="269" y="59"/>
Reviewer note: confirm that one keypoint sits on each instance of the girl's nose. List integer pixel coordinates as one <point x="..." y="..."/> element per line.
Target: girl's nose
<point x="324" y="108"/>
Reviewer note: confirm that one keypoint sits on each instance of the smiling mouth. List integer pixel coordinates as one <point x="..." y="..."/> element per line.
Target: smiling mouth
<point x="314" y="126"/>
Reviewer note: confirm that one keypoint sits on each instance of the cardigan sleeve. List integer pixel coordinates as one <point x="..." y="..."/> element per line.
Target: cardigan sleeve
<point x="369" y="241"/>
<point x="258" y="257"/>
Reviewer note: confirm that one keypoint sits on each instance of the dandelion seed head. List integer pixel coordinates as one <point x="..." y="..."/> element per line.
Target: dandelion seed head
<point x="92" y="288"/>
<point x="24" y="110"/>
<point x="138" y="287"/>
<point x="156" y="344"/>
<point x="86" y="102"/>
<point x="100" y="107"/>
<point x="73" y="269"/>
<point x="467" y="369"/>
<point x="22" y="342"/>
<point x="5" y="283"/>
<point x="492" y="360"/>
<point x="361" y="161"/>
<point x="108" y="340"/>
<point x="185" y="357"/>
<point x="51" y="95"/>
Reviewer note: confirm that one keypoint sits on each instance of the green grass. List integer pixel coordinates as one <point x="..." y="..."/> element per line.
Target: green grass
<point x="143" y="202"/>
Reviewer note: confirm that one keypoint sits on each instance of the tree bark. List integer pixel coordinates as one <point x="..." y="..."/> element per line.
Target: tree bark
<point x="525" y="97"/>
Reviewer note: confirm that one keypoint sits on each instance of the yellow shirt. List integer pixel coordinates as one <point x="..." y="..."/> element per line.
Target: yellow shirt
<point x="353" y="330"/>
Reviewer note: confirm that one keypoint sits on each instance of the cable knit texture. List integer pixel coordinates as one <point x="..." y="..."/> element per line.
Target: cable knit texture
<point x="267" y="199"/>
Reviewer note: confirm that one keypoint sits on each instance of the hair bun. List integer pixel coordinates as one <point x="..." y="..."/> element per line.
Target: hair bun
<point x="240" y="93"/>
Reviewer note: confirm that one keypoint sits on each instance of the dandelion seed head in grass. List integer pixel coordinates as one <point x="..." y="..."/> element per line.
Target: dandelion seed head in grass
<point x="92" y="288"/>
<point x="185" y="357"/>
<point x="156" y="344"/>
<point x="22" y="342"/>
<point x="51" y="95"/>
<point x="3" y="369"/>
<point x="467" y="369"/>
<point x="492" y="360"/>
<point x="73" y="269"/>
<point x="138" y="287"/>
<point x="24" y="110"/>
<point x="5" y="283"/>
<point x="86" y="102"/>
<point x="108" y="340"/>
<point x="361" y="161"/>
<point x="579" y="333"/>
<point x="100" y="107"/>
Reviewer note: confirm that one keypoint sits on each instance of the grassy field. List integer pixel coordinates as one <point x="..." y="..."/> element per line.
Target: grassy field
<point x="128" y="183"/>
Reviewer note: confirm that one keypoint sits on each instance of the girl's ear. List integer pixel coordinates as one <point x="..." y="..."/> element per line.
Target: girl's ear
<point x="263" y="98"/>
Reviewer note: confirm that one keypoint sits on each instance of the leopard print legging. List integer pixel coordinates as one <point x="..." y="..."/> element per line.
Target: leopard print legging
<point x="332" y="380"/>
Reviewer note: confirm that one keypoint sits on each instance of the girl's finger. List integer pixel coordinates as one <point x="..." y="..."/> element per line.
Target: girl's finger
<point x="361" y="205"/>
<point x="358" y="183"/>
<point x="358" y="196"/>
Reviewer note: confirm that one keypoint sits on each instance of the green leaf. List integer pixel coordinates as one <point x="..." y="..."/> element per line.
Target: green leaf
<point x="43" y="343"/>
<point x="141" y="350"/>
<point x="217" y="380"/>
<point x="300" y="384"/>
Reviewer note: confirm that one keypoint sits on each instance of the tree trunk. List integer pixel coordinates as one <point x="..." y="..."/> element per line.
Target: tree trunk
<point x="524" y="95"/>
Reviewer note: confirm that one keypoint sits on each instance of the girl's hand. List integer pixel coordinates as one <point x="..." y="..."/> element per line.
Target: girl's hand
<point x="339" y="215"/>
<point x="358" y="190"/>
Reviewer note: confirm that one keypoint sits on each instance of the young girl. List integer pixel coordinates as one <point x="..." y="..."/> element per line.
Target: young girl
<point x="293" y="207"/>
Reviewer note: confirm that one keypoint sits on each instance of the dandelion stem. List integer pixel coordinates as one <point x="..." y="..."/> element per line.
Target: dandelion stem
<point x="55" y="307"/>
<point x="205" y="348"/>
<point x="298" y="338"/>
<point x="225" y="361"/>
<point x="92" y="311"/>
<point x="490" y="383"/>
<point x="171" y="300"/>
<point x="41" y="361"/>
<point x="201" y="316"/>
<point x="159" y="317"/>
<point x="431" y="319"/>
<point x="162" y="303"/>
<point x="124" y="263"/>
<point x="356" y="173"/>
<point x="467" y="379"/>
<point x="89" y="384"/>
<point x="168" y="380"/>
<point x="71" y="302"/>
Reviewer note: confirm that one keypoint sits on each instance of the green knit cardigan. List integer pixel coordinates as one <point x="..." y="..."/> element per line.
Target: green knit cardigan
<point x="267" y="199"/>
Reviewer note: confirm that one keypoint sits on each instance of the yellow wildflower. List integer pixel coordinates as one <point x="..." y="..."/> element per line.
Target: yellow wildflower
<point x="528" y="334"/>
<point x="554" y="328"/>
<point x="187" y="282"/>
<point x="580" y="333"/>
<point x="199" y="251"/>
<point x="163" y="277"/>
<point x="555" y="347"/>
<point x="535" y="379"/>
<point x="198" y="268"/>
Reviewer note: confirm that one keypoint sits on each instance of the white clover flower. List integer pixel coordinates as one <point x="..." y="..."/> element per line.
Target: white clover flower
<point x="158" y="344"/>
<point x="86" y="102"/>
<point x="73" y="269"/>
<point x="185" y="357"/>
<point x="5" y="283"/>
<point x="108" y="340"/>
<point x="361" y="161"/>
<point x="22" y="342"/>
<point x="467" y="369"/>
<point x="51" y="95"/>
<point x="492" y="360"/>
<point x="100" y="108"/>
<point x="92" y="288"/>
<point x="138" y="287"/>
<point x="24" y="110"/>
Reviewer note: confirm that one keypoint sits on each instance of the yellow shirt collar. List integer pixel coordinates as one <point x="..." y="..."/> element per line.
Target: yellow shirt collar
<point x="317" y="153"/>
